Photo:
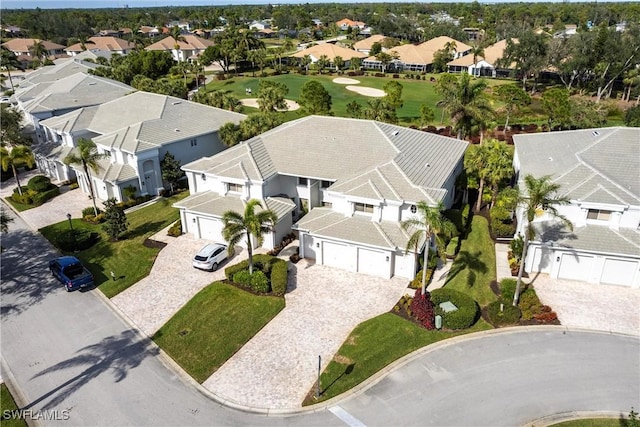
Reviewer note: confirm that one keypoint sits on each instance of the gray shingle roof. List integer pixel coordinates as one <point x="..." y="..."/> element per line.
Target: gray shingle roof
<point x="365" y="158"/>
<point x="76" y="120"/>
<point x="51" y="73"/>
<point x="359" y="229"/>
<point x="213" y="204"/>
<point x="625" y="241"/>
<point x="598" y="165"/>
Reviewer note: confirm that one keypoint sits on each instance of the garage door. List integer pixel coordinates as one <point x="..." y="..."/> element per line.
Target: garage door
<point x="618" y="272"/>
<point x="211" y="229"/>
<point x="575" y="267"/>
<point x="541" y="260"/>
<point x="337" y="255"/>
<point x="373" y="262"/>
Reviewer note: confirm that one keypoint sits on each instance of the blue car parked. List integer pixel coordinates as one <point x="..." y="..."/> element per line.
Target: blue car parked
<point x="70" y="271"/>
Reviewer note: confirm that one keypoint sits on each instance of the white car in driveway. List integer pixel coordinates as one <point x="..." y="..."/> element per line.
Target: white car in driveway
<point x="210" y="256"/>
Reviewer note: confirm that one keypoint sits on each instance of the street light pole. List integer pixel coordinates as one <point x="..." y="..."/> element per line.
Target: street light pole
<point x="73" y="234"/>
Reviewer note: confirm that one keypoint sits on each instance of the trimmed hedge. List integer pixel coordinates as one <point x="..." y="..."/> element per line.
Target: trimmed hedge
<point x="508" y="289"/>
<point x="279" y="277"/>
<point x="509" y="316"/>
<point x="259" y="263"/>
<point x="42" y="197"/>
<point x="416" y="283"/>
<point x="26" y="198"/>
<point x="40" y="183"/>
<point x="466" y="314"/>
<point x="242" y="278"/>
<point x="79" y="240"/>
<point x="176" y="229"/>
<point x="259" y="282"/>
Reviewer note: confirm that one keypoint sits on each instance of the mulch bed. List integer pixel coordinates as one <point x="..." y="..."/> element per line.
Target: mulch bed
<point x="149" y="243"/>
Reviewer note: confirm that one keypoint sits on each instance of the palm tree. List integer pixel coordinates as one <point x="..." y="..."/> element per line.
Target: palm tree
<point x="37" y="49"/>
<point x="252" y="223"/>
<point x="466" y="102"/>
<point x="538" y="196"/>
<point x="18" y="155"/>
<point x="176" y="34"/>
<point x="8" y="60"/>
<point x="86" y="155"/>
<point x="305" y="61"/>
<point x="477" y="50"/>
<point x="428" y="225"/>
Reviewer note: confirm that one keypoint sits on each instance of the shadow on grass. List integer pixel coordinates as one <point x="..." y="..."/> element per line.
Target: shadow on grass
<point x="348" y="370"/>
<point x="467" y="260"/>
<point x="141" y="230"/>
<point x="116" y="354"/>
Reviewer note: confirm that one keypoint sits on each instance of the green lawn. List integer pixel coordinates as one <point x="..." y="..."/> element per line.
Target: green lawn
<point x="20" y="207"/>
<point x="475" y="266"/>
<point x="414" y="94"/>
<point x="595" y="422"/>
<point x="128" y="258"/>
<point x="8" y="404"/>
<point x="213" y="325"/>
<point x="373" y="345"/>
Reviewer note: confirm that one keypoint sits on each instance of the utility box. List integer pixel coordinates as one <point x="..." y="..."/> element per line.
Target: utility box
<point x="438" y="322"/>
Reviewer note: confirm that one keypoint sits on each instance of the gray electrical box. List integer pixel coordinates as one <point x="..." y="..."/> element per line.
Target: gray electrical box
<point x="438" y="322"/>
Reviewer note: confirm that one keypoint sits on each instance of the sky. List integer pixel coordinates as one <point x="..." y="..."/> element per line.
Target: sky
<point x="94" y="4"/>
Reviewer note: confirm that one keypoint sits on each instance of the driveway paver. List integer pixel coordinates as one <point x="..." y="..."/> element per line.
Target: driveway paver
<point x="278" y="367"/>
<point x="172" y="282"/>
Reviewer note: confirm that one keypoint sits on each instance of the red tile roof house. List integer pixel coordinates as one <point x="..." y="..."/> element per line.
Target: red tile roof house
<point x="103" y="43"/>
<point x="184" y="49"/>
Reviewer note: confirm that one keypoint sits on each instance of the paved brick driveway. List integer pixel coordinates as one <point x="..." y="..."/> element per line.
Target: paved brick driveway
<point x="279" y="365"/>
<point x="172" y="282"/>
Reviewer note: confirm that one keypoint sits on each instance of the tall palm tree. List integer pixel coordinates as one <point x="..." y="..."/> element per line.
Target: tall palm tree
<point x="9" y="61"/>
<point x="427" y="225"/>
<point x="18" y="155"/>
<point x="252" y="223"/>
<point x="540" y="195"/>
<point x="86" y="155"/>
<point x="465" y="100"/>
<point x="476" y="50"/>
<point x="176" y="34"/>
<point x="37" y="49"/>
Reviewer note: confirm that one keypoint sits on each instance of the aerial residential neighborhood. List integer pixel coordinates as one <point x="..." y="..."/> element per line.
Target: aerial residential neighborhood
<point x="321" y="214"/>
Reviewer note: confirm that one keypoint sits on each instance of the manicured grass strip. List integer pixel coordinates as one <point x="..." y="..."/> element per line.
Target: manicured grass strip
<point x="215" y="324"/>
<point x="373" y="345"/>
<point x="595" y="422"/>
<point x="128" y="258"/>
<point x="20" y="207"/>
<point x="7" y="404"/>
<point x="475" y="266"/>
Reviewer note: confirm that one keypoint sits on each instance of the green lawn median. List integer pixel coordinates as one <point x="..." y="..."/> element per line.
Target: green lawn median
<point x="214" y="325"/>
<point x="128" y="258"/>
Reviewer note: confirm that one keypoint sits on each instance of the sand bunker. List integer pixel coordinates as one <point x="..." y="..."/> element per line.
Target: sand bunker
<point x="253" y="102"/>
<point x="367" y="91"/>
<point x="345" y="81"/>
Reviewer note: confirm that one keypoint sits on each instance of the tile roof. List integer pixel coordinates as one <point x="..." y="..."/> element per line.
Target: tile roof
<point x="330" y="50"/>
<point x="77" y="120"/>
<point x="214" y="204"/>
<point x="364" y="157"/>
<point x="23" y="45"/>
<point x="190" y="42"/>
<point x="423" y="53"/>
<point x="102" y="43"/>
<point x="596" y="165"/>
<point x="367" y="43"/>
<point x="359" y="229"/>
<point x="51" y="73"/>
<point x="491" y="55"/>
<point x="625" y="241"/>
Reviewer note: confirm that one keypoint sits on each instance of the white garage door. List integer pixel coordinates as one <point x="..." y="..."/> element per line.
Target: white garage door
<point x="337" y="255"/>
<point x="309" y="247"/>
<point x="575" y="267"/>
<point x="373" y="262"/>
<point x="618" y="272"/>
<point x="541" y="260"/>
<point x="211" y="229"/>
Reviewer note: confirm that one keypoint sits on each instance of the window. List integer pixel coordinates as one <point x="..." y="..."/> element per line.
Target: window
<point x="325" y="184"/>
<point x="193" y="142"/>
<point x="235" y="188"/>
<point x="363" y="207"/>
<point x="303" y="181"/>
<point x="598" y="214"/>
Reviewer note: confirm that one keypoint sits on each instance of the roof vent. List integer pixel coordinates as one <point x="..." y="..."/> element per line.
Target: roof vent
<point x="92" y="83"/>
<point x="176" y="103"/>
<point x="550" y="159"/>
<point x="177" y="130"/>
<point x="395" y="132"/>
<point x="427" y="165"/>
<point x="595" y="133"/>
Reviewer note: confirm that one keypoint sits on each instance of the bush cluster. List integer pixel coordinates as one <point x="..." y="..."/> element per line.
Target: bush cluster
<point x="285" y="241"/>
<point x="176" y="229"/>
<point x="270" y="274"/>
<point x="259" y="261"/>
<point x="466" y="314"/>
<point x="89" y="211"/>
<point x="279" y="278"/>
<point x="78" y="241"/>
<point x="422" y="309"/>
<point x="416" y="283"/>
<point x="509" y="316"/>
<point x="501" y="223"/>
<point x="40" y="183"/>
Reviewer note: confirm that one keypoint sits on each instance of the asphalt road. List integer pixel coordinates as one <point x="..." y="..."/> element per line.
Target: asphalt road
<point x="71" y="355"/>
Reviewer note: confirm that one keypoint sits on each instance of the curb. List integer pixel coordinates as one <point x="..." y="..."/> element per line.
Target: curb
<point x="553" y="419"/>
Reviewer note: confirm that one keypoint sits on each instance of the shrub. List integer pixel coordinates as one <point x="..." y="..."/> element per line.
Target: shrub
<point x="422" y="309"/>
<point x="176" y="229"/>
<point x="242" y="278"/>
<point x="509" y="316"/>
<point x="258" y="264"/>
<point x="529" y="304"/>
<point x="279" y="277"/>
<point x="89" y="211"/>
<point x="73" y="186"/>
<point x="39" y="183"/>
<point x="452" y="247"/>
<point x="416" y="283"/>
<point x="259" y="282"/>
<point x="466" y="314"/>
<point x="79" y="240"/>
<point x="26" y="198"/>
<point x="455" y="216"/>
<point x="43" y="196"/>
<point x="517" y="246"/>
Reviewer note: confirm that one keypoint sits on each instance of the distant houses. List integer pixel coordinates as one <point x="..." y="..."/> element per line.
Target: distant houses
<point x="187" y="46"/>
